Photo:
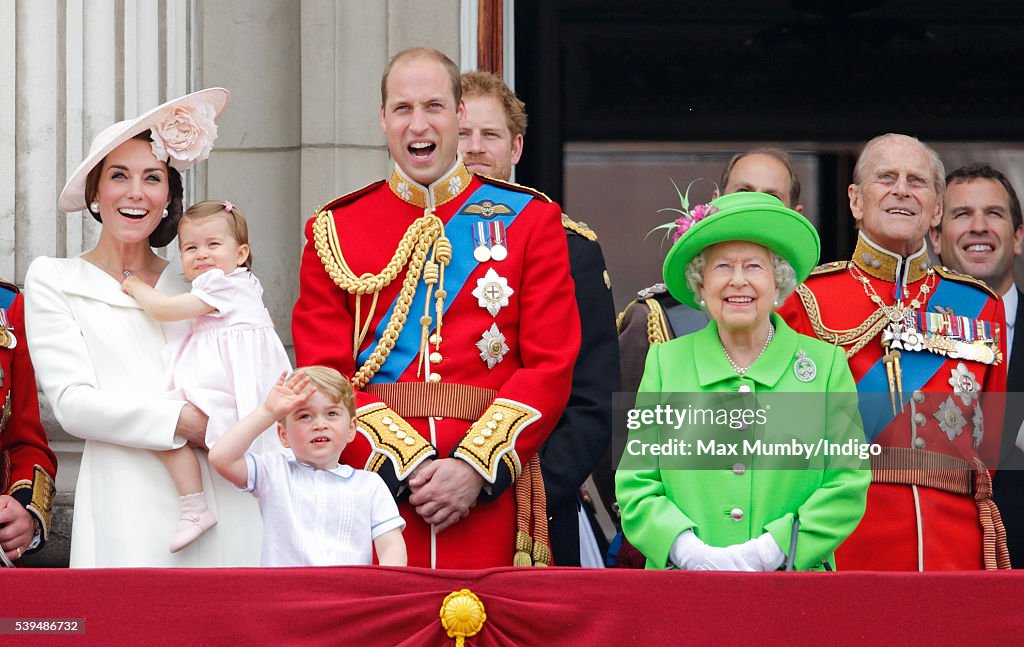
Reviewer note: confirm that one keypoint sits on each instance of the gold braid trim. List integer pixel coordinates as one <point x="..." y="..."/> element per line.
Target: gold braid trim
<point x="412" y="250"/>
<point x="657" y="323"/>
<point x="858" y="337"/>
<point x="391" y="435"/>
<point x="41" y="501"/>
<point x="494" y="435"/>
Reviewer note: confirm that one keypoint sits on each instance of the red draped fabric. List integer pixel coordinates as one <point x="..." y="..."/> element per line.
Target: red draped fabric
<point x="553" y="606"/>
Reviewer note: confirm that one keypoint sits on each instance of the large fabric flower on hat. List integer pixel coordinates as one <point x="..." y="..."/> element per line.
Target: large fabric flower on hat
<point x="687" y="217"/>
<point x="185" y="136"/>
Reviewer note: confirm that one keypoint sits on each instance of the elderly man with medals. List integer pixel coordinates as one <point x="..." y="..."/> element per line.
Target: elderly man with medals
<point x="747" y="508"/>
<point x="27" y="464"/>
<point x="447" y="299"/>
<point x="924" y="345"/>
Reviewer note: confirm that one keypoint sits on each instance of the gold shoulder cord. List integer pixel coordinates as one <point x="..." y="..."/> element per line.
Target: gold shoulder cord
<point x="858" y="337"/>
<point x="423" y="234"/>
<point x="657" y="328"/>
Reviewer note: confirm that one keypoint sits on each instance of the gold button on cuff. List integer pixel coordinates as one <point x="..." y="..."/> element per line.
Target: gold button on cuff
<point x="387" y="420"/>
<point x="479" y="440"/>
<point x="410" y="441"/>
<point x="498" y="416"/>
<point x="393" y="427"/>
<point x="400" y="435"/>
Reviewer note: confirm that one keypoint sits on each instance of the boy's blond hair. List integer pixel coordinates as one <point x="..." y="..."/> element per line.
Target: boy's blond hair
<point x="332" y="385"/>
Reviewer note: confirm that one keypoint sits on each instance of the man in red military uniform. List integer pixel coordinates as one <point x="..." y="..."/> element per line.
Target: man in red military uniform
<point x="924" y="345"/>
<point x="447" y="299"/>
<point x="27" y="465"/>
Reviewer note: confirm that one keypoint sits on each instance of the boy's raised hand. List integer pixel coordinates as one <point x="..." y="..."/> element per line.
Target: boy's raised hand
<point x="289" y="394"/>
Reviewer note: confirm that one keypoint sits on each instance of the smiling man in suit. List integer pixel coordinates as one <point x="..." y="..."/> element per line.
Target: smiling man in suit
<point x="980" y="234"/>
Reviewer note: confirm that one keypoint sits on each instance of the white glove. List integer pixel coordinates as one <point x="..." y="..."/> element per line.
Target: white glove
<point x="759" y="554"/>
<point x="690" y="553"/>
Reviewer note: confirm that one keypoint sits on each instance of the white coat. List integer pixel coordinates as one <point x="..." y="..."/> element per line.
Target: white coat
<point x="97" y="356"/>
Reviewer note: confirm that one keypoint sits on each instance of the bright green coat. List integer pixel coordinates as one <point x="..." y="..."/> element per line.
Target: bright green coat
<point x="658" y="503"/>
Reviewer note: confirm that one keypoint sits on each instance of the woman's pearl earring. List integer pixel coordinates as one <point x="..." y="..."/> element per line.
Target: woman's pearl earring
<point x="702" y="304"/>
<point x="94" y="206"/>
<point x="165" y="213"/>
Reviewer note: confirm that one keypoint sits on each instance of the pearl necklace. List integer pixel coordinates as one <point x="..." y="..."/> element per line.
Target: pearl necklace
<point x="743" y="371"/>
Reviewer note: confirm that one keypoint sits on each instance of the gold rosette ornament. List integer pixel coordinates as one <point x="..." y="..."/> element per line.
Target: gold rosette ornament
<point x="462" y="615"/>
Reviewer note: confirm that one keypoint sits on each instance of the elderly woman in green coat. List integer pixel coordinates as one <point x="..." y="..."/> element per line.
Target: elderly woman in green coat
<point x="721" y="497"/>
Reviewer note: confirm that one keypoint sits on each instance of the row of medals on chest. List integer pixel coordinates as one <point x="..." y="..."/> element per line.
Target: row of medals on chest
<point x="910" y="329"/>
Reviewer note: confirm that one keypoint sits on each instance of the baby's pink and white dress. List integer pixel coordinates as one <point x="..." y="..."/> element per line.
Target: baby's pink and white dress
<point x="231" y="358"/>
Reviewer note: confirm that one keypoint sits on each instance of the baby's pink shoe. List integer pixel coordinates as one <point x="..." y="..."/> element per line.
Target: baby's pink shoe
<point x="195" y="519"/>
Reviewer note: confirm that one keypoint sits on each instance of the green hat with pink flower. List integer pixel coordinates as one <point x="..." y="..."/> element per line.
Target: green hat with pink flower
<point x="746" y="216"/>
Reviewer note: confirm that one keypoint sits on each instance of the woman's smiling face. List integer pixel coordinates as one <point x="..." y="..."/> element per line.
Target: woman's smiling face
<point x="739" y="288"/>
<point x="132" y="192"/>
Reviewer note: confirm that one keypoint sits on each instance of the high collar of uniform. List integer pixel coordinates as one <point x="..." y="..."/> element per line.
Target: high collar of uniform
<point x="880" y="263"/>
<point x="447" y="187"/>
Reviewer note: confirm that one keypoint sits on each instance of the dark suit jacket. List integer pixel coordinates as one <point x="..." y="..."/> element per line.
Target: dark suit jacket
<point x="1008" y="484"/>
<point x="584" y="430"/>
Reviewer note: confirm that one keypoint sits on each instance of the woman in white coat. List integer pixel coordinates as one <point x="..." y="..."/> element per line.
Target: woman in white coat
<point x="98" y="355"/>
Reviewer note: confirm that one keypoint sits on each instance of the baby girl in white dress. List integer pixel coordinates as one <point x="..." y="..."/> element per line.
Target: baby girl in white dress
<point x="230" y="359"/>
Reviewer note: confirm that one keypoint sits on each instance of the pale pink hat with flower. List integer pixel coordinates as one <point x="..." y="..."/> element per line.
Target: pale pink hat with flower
<point x="183" y="132"/>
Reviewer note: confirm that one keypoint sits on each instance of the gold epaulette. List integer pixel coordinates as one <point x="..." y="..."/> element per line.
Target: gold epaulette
<point x="656" y="319"/>
<point x="491" y="440"/>
<point x="349" y="197"/>
<point x="487" y="179"/>
<point x="830" y="268"/>
<point x="391" y="437"/>
<point x="953" y="275"/>
<point x="580" y="228"/>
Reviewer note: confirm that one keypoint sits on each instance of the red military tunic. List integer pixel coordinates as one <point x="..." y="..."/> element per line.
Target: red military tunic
<point x="27" y="465"/>
<point x="491" y="386"/>
<point x="926" y="508"/>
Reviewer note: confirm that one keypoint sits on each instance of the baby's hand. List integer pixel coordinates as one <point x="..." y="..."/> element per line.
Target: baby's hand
<point x="129" y="284"/>
<point x="287" y="396"/>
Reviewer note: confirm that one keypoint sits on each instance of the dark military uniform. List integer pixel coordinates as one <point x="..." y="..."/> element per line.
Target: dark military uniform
<point x="582" y="435"/>
<point x="27" y="464"/>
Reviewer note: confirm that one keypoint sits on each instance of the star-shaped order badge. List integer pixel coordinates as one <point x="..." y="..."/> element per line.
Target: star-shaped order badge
<point x="492" y="292"/>
<point x="492" y="346"/>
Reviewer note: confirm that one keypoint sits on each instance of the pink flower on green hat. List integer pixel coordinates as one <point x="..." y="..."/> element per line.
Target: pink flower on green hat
<point x="691" y="218"/>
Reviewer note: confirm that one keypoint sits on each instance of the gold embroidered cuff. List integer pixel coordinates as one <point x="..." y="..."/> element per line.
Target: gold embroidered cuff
<point x="493" y="437"/>
<point x="392" y="436"/>
<point x="41" y="502"/>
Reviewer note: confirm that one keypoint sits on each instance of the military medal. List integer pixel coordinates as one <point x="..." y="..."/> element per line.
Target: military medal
<point x="804" y="367"/>
<point x="499" y="248"/>
<point x="481" y="242"/>
<point x="492" y="346"/>
<point x="492" y="292"/>
<point x="7" y="338"/>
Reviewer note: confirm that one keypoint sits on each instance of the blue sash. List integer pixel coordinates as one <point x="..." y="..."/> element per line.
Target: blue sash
<point x="459" y="230"/>
<point x="917" y="367"/>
